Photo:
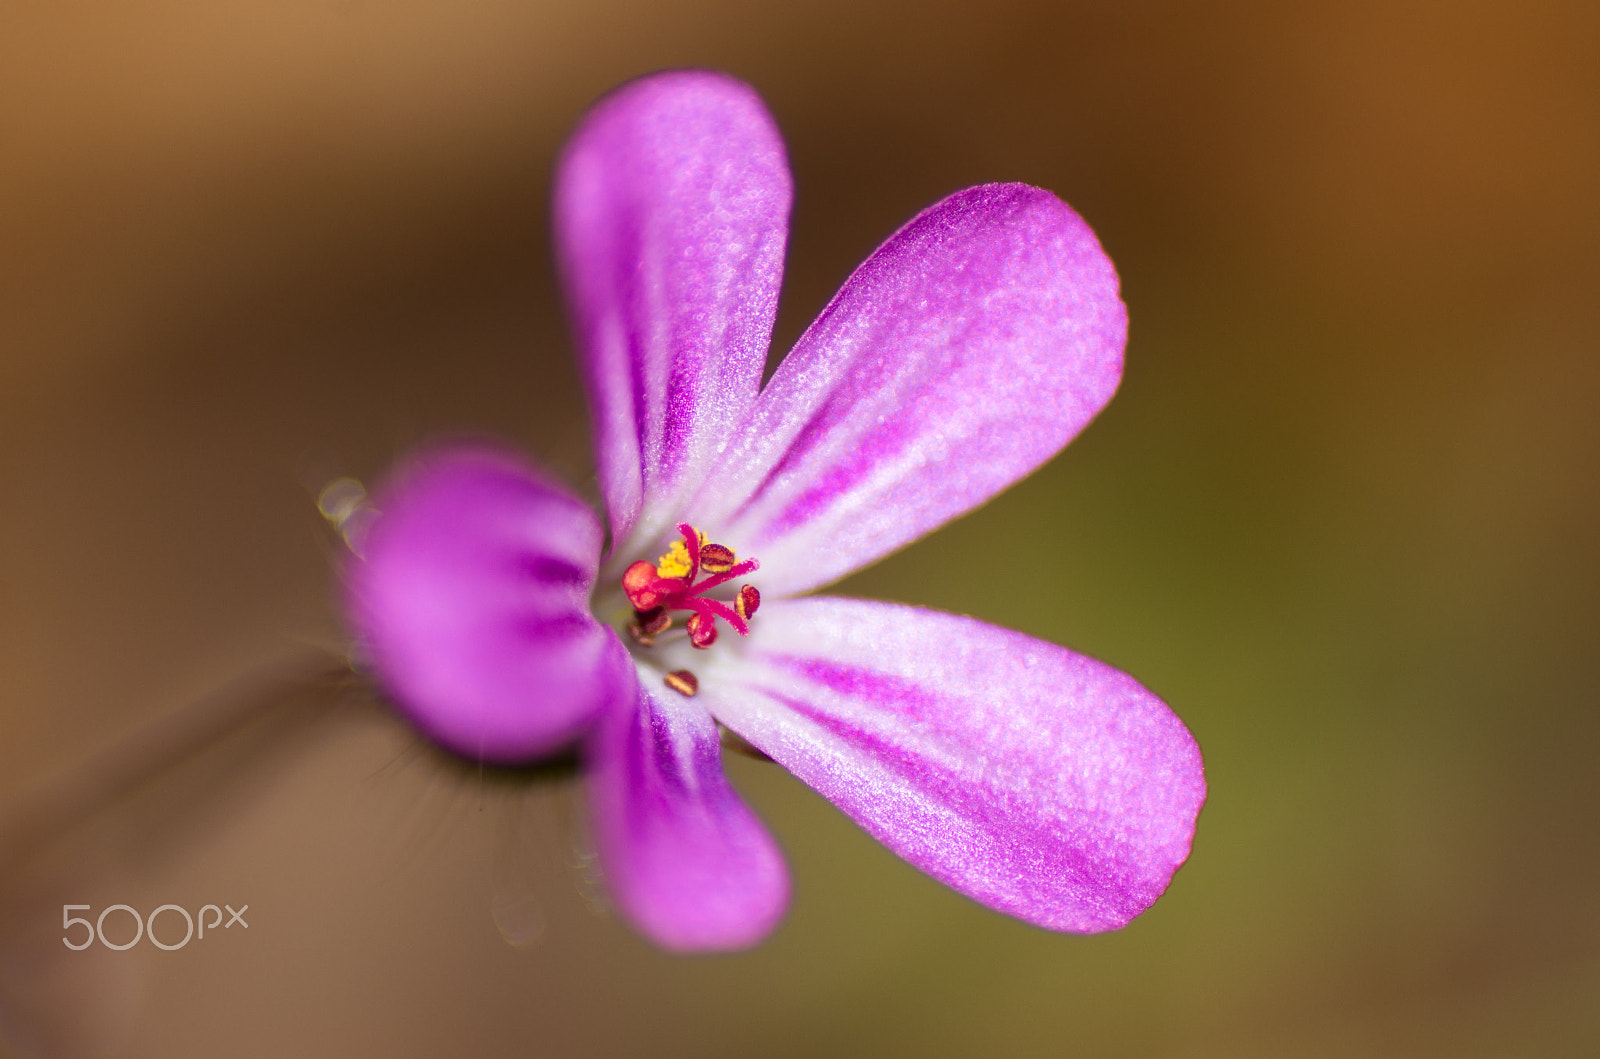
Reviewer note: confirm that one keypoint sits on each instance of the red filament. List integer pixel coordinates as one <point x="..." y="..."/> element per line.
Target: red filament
<point x="653" y="596"/>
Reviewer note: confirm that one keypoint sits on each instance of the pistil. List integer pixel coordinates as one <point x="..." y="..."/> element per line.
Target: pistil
<point x="675" y="582"/>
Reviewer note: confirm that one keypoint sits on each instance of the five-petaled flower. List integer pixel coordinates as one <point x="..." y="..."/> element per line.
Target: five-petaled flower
<point x="967" y="350"/>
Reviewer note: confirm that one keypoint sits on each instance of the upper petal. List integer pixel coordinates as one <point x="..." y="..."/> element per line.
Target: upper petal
<point x="684" y="857"/>
<point x="968" y="349"/>
<point x="471" y="596"/>
<point x="1035" y="780"/>
<point x="671" y="212"/>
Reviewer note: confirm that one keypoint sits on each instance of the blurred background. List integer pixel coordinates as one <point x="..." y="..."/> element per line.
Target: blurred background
<point x="1342" y="515"/>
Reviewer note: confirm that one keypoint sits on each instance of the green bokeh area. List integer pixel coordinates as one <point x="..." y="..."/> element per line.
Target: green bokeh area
<point x="1341" y="514"/>
<point x="1379" y="630"/>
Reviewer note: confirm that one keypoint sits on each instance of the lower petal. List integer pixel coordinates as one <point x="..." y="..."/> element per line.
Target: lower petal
<point x="471" y="598"/>
<point x="685" y="859"/>
<point x="1037" y="781"/>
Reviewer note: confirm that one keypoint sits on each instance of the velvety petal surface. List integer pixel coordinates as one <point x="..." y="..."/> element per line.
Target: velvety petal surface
<point x="471" y="598"/>
<point x="1042" y="783"/>
<point x="968" y="349"/>
<point x="685" y="859"/>
<point x="671" y="212"/>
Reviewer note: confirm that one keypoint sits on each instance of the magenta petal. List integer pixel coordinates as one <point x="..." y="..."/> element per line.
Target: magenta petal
<point x="964" y="352"/>
<point x="1042" y="783"/>
<point x="472" y="602"/>
<point x="671" y="211"/>
<point x="685" y="859"/>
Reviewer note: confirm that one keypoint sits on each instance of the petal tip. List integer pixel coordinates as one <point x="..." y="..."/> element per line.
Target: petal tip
<point x="470" y="602"/>
<point x="1041" y="783"/>
<point x="688" y="863"/>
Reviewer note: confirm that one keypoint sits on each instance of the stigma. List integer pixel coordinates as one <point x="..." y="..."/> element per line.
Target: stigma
<point x="679" y="581"/>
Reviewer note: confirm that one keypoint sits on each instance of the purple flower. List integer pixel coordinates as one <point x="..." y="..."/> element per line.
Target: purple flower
<point x="966" y="351"/>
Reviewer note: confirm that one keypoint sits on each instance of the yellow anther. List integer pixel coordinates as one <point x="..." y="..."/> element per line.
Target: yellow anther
<point x="676" y="562"/>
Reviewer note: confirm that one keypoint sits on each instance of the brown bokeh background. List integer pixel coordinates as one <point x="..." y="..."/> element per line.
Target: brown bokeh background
<point x="1342" y="515"/>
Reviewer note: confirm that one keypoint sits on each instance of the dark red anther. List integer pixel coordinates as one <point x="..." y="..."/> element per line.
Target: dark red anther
<point x="716" y="559"/>
<point x="746" y="602"/>
<point x="683" y="682"/>
<point x="654" y="622"/>
<point x="702" y="630"/>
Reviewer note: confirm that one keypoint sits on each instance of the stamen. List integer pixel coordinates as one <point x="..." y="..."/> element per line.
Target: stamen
<point x="683" y="682"/>
<point x="675" y="563"/>
<point x="731" y="574"/>
<point x="715" y="608"/>
<point x="716" y="558"/>
<point x="683" y="557"/>
<point x="746" y="602"/>
<point x="702" y="630"/>
<point x="692" y="540"/>
<point x="670" y="583"/>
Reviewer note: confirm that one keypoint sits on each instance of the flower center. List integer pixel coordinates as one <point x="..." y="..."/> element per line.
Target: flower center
<point x="679" y="581"/>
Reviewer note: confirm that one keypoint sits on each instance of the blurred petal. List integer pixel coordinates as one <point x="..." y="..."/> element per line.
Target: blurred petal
<point x="966" y="351"/>
<point x="687" y="861"/>
<point x="1037" y="781"/>
<point x="671" y="211"/>
<point x="473" y="603"/>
